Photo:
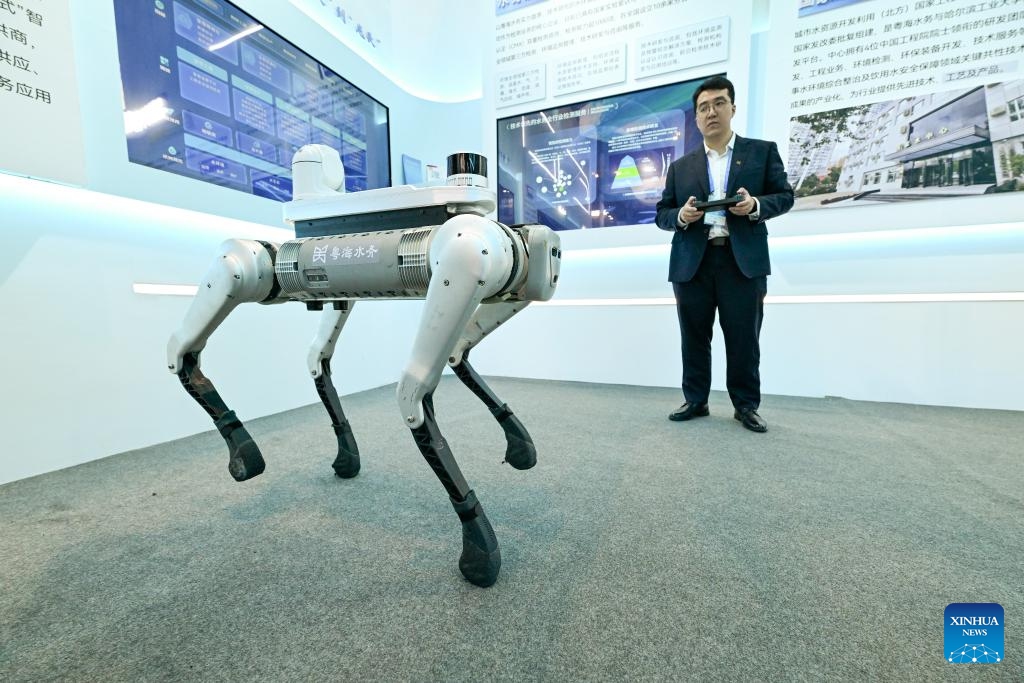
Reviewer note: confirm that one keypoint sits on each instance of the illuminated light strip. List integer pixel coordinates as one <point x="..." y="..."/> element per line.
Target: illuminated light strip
<point x="952" y="297"/>
<point x="238" y="36"/>
<point x="168" y="290"/>
<point x="880" y="238"/>
<point x="545" y="117"/>
<point x="607" y="302"/>
<point x="583" y="174"/>
<point x="542" y="165"/>
<point x="189" y="225"/>
<point x="943" y="297"/>
<point x="148" y="115"/>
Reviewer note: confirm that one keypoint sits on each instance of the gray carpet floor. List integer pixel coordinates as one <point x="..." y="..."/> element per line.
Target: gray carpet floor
<point x="636" y="549"/>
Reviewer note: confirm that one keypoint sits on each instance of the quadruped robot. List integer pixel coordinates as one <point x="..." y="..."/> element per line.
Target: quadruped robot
<point x="433" y="243"/>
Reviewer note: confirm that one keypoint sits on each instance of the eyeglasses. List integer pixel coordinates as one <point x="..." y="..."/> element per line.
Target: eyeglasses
<point x="720" y="105"/>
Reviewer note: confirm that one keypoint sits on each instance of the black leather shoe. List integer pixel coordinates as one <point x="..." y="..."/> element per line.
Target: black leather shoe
<point x="688" y="411"/>
<point x="752" y="421"/>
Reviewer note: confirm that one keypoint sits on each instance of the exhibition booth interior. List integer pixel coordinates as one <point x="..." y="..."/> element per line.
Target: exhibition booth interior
<point x="166" y="163"/>
<point x="895" y="278"/>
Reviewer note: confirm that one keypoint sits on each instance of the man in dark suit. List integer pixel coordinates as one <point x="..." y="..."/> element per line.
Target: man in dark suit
<point x="720" y="257"/>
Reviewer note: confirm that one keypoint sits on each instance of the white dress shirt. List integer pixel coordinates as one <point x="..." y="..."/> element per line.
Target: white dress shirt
<point x="718" y="176"/>
<point x="718" y="165"/>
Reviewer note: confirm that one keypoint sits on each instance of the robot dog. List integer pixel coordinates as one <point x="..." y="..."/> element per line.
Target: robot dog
<point x="432" y="243"/>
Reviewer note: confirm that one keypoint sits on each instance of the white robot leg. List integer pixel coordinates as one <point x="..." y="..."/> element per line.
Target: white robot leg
<point x="346" y="464"/>
<point x="242" y="272"/>
<point x="471" y="259"/>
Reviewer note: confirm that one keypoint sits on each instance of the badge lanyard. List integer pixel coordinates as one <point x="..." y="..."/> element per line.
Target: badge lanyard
<point x="711" y="175"/>
<point x="718" y="217"/>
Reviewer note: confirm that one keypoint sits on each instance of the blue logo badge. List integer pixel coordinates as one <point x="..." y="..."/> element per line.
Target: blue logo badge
<point x="974" y="633"/>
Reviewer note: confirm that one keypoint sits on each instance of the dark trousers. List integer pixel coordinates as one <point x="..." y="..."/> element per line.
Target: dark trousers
<point x="719" y="284"/>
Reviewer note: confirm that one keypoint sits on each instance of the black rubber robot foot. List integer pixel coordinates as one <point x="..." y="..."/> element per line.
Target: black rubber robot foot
<point x="520" y="452"/>
<point x="346" y="465"/>
<point x="246" y="460"/>
<point x="481" y="557"/>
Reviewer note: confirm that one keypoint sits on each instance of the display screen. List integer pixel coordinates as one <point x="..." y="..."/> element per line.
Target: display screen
<point x="212" y="94"/>
<point x="594" y="164"/>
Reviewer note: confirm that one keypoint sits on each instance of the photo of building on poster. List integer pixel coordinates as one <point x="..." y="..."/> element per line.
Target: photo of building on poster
<point x="956" y="143"/>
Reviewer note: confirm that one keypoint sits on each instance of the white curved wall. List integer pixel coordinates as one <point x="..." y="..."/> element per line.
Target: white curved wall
<point x="938" y="342"/>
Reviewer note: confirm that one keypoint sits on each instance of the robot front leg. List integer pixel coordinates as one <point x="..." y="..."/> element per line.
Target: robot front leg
<point x="346" y="464"/>
<point x="471" y="261"/>
<point x="480" y="560"/>
<point x="519" y="449"/>
<point x="242" y="272"/>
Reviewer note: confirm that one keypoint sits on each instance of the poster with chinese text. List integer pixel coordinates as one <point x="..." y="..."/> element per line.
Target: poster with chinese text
<point x="900" y="100"/>
<point x="42" y="129"/>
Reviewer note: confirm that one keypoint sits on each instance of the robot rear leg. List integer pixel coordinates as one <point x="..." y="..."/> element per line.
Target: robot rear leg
<point x="519" y="449"/>
<point x="346" y="463"/>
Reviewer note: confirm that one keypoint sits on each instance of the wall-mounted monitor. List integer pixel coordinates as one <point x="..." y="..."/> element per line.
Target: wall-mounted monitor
<point x="211" y="93"/>
<point x="594" y="164"/>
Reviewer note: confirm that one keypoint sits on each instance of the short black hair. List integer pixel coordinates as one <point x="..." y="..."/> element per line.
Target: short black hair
<point x="715" y="83"/>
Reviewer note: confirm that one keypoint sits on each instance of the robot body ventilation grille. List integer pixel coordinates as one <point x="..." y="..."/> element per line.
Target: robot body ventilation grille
<point x="413" y="259"/>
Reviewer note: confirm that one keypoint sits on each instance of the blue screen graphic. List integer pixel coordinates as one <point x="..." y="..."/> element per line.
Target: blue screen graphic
<point x="212" y="94"/>
<point x="594" y="164"/>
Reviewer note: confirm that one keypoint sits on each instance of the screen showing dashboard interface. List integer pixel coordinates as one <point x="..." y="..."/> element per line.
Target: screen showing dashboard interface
<point x="212" y="94"/>
<point x="594" y="164"/>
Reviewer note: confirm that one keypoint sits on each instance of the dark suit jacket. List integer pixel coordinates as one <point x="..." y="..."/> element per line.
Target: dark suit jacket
<point x="757" y="166"/>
